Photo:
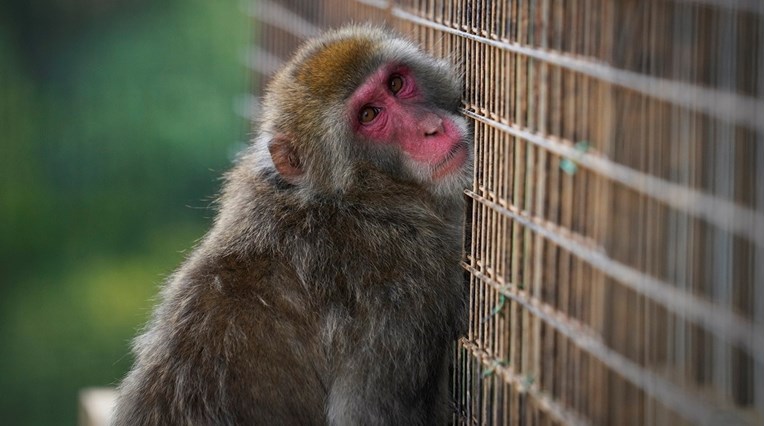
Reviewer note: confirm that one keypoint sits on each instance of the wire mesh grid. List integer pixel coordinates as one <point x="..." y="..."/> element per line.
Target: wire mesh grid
<point x="616" y="216"/>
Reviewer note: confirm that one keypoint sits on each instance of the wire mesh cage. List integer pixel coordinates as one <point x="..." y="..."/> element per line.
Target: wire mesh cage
<point x="615" y="253"/>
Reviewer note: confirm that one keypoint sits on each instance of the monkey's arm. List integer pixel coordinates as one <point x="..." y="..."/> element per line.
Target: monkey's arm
<point x="396" y="378"/>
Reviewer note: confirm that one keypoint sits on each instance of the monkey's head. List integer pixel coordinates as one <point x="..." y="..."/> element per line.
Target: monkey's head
<point x="361" y="99"/>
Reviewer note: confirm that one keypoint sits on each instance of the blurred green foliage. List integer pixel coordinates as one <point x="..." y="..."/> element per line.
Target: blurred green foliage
<point x="116" y="122"/>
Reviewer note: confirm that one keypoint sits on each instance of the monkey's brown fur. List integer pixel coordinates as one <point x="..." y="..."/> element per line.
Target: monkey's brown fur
<point x="330" y="298"/>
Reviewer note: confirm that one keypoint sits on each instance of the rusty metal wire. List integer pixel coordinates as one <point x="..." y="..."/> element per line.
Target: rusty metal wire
<point x="615" y="256"/>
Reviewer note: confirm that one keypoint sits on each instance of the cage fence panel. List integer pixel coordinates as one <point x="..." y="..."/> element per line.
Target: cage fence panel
<point x="615" y="241"/>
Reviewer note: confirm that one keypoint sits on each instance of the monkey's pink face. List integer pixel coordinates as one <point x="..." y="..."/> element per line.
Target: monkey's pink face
<point x="388" y="108"/>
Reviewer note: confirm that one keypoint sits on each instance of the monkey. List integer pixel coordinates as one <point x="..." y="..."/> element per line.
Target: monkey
<point x="329" y="288"/>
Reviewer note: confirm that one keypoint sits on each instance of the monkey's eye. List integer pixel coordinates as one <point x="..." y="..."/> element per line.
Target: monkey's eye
<point x="396" y="83"/>
<point x="368" y="113"/>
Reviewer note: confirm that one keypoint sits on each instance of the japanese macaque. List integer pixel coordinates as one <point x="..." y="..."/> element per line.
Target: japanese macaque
<point x="329" y="289"/>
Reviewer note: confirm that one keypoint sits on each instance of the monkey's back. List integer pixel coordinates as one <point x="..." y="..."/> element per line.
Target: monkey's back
<point x="229" y="344"/>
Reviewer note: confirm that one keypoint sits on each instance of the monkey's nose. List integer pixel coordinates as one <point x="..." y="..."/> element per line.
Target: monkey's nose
<point x="431" y="124"/>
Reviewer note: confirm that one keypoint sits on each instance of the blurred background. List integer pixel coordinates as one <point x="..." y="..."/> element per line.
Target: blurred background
<point x="117" y="119"/>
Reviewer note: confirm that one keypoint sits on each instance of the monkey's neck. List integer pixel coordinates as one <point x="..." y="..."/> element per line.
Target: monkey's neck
<point x="257" y="213"/>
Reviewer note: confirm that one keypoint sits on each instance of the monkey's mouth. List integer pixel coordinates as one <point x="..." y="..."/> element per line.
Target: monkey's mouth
<point x="454" y="160"/>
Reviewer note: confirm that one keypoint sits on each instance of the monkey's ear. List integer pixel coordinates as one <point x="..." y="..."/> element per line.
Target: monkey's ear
<point x="286" y="158"/>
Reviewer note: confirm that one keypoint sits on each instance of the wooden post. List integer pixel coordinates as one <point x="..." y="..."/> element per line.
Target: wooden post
<point x="96" y="405"/>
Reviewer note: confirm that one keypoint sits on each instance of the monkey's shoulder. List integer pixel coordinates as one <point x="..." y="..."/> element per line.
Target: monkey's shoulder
<point x="226" y="281"/>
